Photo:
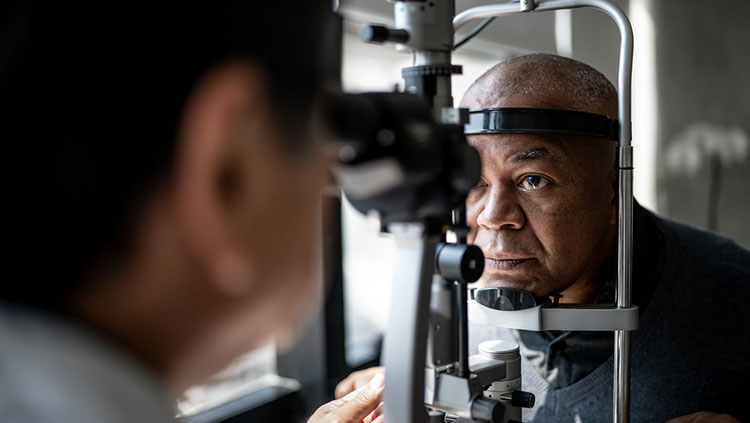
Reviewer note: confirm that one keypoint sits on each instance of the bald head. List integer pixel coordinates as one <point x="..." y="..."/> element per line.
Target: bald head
<point x="543" y="80"/>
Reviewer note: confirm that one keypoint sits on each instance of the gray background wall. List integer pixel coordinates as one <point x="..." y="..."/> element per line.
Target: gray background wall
<point x="703" y="62"/>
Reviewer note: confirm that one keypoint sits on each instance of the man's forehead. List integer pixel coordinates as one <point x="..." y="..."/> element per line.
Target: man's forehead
<point x="514" y="148"/>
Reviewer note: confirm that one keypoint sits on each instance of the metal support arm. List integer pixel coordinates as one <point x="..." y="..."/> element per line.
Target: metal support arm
<point x="625" y="167"/>
<point x="404" y="349"/>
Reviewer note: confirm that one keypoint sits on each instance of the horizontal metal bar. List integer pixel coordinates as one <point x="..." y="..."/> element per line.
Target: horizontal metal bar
<point x="563" y="317"/>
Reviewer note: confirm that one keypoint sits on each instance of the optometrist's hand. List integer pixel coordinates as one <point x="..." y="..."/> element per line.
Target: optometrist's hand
<point x="362" y="405"/>
<point x="704" y="417"/>
<point x="357" y="380"/>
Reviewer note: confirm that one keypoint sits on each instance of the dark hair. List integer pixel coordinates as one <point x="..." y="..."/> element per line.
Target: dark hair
<point x="90" y="98"/>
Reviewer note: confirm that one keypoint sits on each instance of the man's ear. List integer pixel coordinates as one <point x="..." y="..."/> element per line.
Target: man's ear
<point x="207" y="170"/>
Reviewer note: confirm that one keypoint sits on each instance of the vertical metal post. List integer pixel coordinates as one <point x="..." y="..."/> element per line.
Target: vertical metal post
<point x="461" y="293"/>
<point x="621" y="386"/>
<point x="405" y="344"/>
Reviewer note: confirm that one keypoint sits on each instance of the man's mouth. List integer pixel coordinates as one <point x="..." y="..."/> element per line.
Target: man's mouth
<point x="504" y="264"/>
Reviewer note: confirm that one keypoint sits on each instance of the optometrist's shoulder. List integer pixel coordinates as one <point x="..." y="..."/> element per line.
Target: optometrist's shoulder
<point x="360" y="405"/>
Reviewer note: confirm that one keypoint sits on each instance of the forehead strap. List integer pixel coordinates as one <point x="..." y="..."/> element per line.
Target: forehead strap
<point x="527" y="120"/>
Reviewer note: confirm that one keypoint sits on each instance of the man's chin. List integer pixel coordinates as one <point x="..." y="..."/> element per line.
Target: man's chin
<point x="523" y="285"/>
<point x="537" y="287"/>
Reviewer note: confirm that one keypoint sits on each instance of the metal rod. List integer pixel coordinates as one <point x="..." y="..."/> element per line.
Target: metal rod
<point x="625" y="164"/>
<point x="621" y="385"/>
<point x="404" y="349"/>
<point x="462" y="318"/>
<point x="621" y="388"/>
<point x="462" y="312"/>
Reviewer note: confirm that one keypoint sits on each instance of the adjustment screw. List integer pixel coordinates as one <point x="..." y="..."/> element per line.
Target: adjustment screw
<point x="523" y="399"/>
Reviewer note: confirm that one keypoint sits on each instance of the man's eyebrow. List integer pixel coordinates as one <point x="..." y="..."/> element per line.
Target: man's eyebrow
<point x="539" y="153"/>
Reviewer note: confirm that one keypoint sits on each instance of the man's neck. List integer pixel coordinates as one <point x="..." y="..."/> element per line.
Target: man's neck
<point x="582" y="292"/>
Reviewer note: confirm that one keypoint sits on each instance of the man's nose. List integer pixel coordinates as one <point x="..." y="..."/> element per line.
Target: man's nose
<point x="502" y="210"/>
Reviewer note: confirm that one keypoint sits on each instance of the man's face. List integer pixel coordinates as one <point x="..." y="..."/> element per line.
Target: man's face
<point x="542" y="212"/>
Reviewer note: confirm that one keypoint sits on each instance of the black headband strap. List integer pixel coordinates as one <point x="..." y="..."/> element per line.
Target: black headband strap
<point x="523" y="120"/>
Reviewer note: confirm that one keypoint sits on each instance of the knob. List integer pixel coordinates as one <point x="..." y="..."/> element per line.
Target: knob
<point x="522" y="399"/>
<point x="487" y="410"/>
<point x="459" y="262"/>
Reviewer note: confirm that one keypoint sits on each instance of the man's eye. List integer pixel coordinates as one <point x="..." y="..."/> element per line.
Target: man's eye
<point x="480" y="184"/>
<point x="534" y="182"/>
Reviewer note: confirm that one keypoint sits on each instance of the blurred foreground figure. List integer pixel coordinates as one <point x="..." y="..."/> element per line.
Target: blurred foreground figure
<point x="161" y="187"/>
<point x="545" y="213"/>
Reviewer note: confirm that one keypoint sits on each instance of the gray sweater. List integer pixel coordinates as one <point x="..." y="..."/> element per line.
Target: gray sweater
<point x="691" y="350"/>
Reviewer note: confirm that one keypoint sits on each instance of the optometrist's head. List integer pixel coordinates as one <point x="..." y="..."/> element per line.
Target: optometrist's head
<point x="159" y="192"/>
<point x="544" y="212"/>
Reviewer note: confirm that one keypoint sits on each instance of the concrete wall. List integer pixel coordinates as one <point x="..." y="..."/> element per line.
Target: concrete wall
<point x="692" y="64"/>
<point x="703" y="75"/>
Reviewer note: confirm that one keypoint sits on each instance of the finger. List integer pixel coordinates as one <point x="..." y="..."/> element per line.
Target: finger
<point x="356" y="380"/>
<point x="374" y="415"/>
<point x="370" y="373"/>
<point x="379" y="369"/>
<point x="355" y="406"/>
<point x="690" y="418"/>
<point x="704" y="417"/>
<point x="350" y="396"/>
<point x="344" y="387"/>
<point x="364" y="404"/>
<point x="375" y="383"/>
<point x="343" y="401"/>
<point x="378" y="411"/>
<point x="365" y="401"/>
<point x="380" y="419"/>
